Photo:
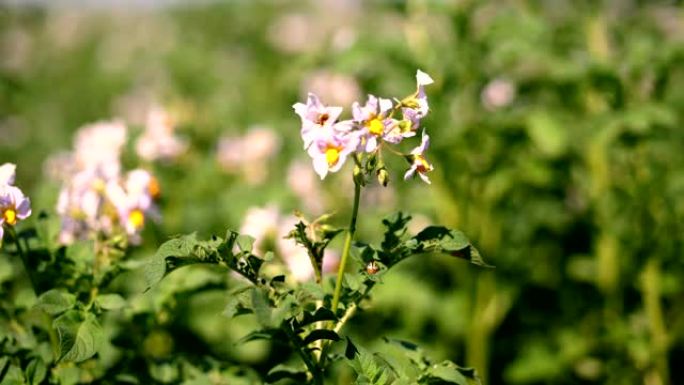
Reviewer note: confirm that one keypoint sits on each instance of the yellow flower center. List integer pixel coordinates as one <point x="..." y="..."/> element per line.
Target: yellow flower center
<point x="10" y="216"/>
<point x="375" y="126"/>
<point x="423" y="165"/>
<point x="332" y="155"/>
<point x="153" y="188"/>
<point x="99" y="185"/>
<point x="136" y="219"/>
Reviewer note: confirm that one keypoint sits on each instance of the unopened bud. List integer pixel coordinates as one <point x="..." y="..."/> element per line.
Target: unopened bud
<point x="410" y="102"/>
<point x="359" y="178"/>
<point x="383" y="177"/>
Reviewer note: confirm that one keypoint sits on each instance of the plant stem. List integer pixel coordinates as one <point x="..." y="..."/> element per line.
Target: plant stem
<point x="347" y="247"/>
<point x="24" y="259"/>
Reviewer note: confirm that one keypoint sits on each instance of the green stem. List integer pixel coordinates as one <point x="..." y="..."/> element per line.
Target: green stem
<point x="24" y="259"/>
<point x="347" y="247"/>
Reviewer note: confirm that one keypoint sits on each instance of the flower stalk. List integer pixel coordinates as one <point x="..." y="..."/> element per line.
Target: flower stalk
<point x="347" y="247"/>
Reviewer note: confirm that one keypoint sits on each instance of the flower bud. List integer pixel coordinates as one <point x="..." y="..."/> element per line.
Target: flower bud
<point x="359" y="178"/>
<point x="383" y="176"/>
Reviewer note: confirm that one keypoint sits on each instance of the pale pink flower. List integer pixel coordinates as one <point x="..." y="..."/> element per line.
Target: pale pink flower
<point x="14" y="206"/>
<point x="497" y="94"/>
<point x="303" y="182"/>
<point x="336" y="88"/>
<point x="249" y="154"/>
<point x="7" y="174"/>
<point x="375" y="122"/>
<point x="418" y="162"/>
<point x="318" y="120"/>
<point x="158" y="141"/>
<point x="330" y="152"/>
<point x="270" y="228"/>
<point x="99" y="145"/>
<point x="296" y="256"/>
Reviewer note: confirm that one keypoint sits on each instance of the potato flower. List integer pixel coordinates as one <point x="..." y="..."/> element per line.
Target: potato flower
<point x="14" y="206"/>
<point x="317" y="119"/>
<point x="418" y="162"/>
<point x="158" y="141"/>
<point x="331" y="151"/>
<point x="375" y="122"/>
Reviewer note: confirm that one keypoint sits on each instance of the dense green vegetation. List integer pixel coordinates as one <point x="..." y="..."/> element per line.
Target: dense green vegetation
<point x="557" y="135"/>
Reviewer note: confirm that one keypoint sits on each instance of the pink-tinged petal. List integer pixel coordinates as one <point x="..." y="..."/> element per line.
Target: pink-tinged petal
<point x="320" y="165"/>
<point x="7" y="173"/>
<point x="424" y="177"/>
<point x="358" y="113"/>
<point x="300" y="109"/>
<point x="333" y="114"/>
<point x="2" y="231"/>
<point x="409" y="173"/>
<point x="385" y="105"/>
<point x="423" y="79"/>
<point x="24" y="209"/>
<point x="314" y="101"/>
<point x="371" y="143"/>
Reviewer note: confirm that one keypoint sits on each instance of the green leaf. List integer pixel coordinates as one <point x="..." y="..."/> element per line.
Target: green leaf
<point x="438" y="239"/>
<point x="321" y="334"/>
<point x="36" y="371"/>
<point x="281" y="372"/>
<point x="447" y="373"/>
<point x="80" y="336"/>
<point x="350" y="351"/>
<point x="56" y="301"/>
<point x="396" y="229"/>
<point x="110" y="301"/>
<point x="81" y="252"/>
<point x="239" y="301"/>
<point x="262" y="307"/>
<point x="321" y="314"/>
<point x="157" y="268"/>
<point x="265" y="334"/>
<point x="245" y="242"/>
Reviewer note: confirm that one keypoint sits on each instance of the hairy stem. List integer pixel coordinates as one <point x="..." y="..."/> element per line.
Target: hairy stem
<point x="347" y="247"/>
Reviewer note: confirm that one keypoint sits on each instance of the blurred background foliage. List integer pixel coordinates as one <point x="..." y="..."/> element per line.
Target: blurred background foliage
<point x="557" y="142"/>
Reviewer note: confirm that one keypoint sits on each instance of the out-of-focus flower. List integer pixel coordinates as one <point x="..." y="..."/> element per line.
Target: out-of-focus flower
<point x="14" y="206"/>
<point x="330" y="152"/>
<point x="303" y="182"/>
<point x="60" y="166"/>
<point x="317" y="119"/>
<point x="497" y="94"/>
<point x="270" y="227"/>
<point x="99" y="146"/>
<point x="336" y="88"/>
<point x="158" y="141"/>
<point x="94" y="197"/>
<point x="418" y="162"/>
<point x="7" y="174"/>
<point x="134" y="200"/>
<point x="248" y="154"/>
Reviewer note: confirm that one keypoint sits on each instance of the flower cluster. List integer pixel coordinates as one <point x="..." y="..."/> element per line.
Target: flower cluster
<point x="330" y="141"/>
<point x="14" y="206"/>
<point x="95" y="197"/>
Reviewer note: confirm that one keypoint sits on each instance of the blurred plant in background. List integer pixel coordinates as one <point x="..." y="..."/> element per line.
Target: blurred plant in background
<point x="556" y="145"/>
